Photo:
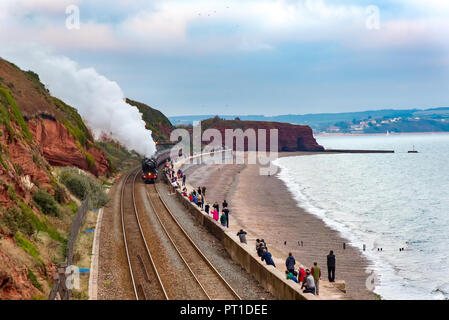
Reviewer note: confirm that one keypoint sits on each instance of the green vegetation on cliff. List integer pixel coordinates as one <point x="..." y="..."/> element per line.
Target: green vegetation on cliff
<point x="8" y="103"/>
<point x="155" y="120"/>
<point x="74" y="123"/>
<point x="84" y="186"/>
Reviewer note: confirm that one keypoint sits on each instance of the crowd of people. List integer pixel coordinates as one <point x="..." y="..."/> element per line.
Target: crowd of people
<point x="196" y="196"/>
<point x="307" y="278"/>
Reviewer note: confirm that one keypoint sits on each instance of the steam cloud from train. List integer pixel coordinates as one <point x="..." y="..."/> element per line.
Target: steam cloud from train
<point x="99" y="100"/>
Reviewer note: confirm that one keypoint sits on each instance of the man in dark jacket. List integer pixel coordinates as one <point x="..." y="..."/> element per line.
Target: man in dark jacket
<point x="242" y="236"/>
<point x="226" y="213"/>
<point x="267" y="257"/>
<point x="224" y="204"/>
<point x="331" y="266"/>
<point x="216" y="206"/>
<point x="290" y="263"/>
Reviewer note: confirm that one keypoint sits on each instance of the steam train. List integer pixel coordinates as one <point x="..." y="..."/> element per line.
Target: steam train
<point x="150" y="166"/>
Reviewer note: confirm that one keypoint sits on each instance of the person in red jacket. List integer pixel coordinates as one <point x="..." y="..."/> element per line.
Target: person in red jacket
<point x="301" y="274"/>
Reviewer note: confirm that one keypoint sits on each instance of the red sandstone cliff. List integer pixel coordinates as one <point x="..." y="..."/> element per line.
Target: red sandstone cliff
<point x="36" y="131"/>
<point x="48" y="118"/>
<point x="60" y="149"/>
<point x="291" y="137"/>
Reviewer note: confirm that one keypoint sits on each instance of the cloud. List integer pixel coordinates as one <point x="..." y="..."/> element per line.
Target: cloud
<point x="99" y="100"/>
<point x="205" y="26"/>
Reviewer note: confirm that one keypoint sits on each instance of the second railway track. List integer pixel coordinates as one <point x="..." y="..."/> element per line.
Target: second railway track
<point x="209" y="278"/>
<point x="164" y="262"/>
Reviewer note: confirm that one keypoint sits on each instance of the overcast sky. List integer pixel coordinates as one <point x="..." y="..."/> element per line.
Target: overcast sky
<point x="248" y="57"/>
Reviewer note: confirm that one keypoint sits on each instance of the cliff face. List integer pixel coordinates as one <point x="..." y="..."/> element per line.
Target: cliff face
<point x="59" y="130"/>
<point x="60" y="148"/>
<point x="36" y="131"/>
<point x="291" y="137"/>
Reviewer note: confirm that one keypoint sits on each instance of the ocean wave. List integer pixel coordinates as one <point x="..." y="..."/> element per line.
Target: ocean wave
<point x="392" y="283"/>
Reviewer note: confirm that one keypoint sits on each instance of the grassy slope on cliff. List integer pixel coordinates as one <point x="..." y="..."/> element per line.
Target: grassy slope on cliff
<point x="29" y="214"/>
<point x="35" y="208"/>
<point x="34" y="100"/>
<point x="155" y="120"/>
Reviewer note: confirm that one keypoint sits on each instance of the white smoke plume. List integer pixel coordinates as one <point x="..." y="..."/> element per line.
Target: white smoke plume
<point x="99" y="101"/>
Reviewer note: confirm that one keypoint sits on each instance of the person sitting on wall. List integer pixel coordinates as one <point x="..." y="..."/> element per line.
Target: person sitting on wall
<point x="266" y="256"/>
<point x="309" y="283"/>
<point x="291" y="276"/>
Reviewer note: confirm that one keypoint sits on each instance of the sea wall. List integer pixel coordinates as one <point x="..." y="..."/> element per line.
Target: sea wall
<point x="269" y="277"/>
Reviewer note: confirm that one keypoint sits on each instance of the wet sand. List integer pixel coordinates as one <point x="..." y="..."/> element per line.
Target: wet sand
<point x="265" y="208"/>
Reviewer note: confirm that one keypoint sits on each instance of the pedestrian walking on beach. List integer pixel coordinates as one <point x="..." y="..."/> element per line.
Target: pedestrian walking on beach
<point x="331" y="266"/>
<point x="266" y="256"/>
<point x="242" y="236"/>
<point x="290" y="263"/>
<point x="226" y="213"/>
<point x="316" y="273"/>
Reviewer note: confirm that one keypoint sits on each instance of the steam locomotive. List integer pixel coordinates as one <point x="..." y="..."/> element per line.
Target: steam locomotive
<point x="150" y="165"/>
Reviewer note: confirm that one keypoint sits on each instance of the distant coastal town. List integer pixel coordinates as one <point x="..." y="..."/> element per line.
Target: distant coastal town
<point x="364" y="122"/>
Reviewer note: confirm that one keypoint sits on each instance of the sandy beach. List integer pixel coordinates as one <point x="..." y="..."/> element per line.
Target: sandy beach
<point x="265" y="208"/>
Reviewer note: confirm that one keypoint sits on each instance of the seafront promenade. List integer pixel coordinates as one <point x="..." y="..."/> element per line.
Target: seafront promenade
<point x="273" y="279"/>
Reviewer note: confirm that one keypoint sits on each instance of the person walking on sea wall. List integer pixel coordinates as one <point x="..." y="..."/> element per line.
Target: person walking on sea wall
<point x="242" y="236"/>
<point x="331" y="266"/>
<point x="184" y="180"/>
<point x="224" y="204"/>
<point x="290" y="263"/>
<point x="226" y="213"/>
<point x="216" y="206"/>
<point x="316" y="273"/>
<point x="266" y="256"/>
<point x="223" y="220"/>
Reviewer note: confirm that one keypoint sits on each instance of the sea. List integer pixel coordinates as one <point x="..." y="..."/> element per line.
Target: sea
<point x="384" y="202"/>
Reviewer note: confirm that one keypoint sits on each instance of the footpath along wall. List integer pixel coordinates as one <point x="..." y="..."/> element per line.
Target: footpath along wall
<point x="269" y="277"/>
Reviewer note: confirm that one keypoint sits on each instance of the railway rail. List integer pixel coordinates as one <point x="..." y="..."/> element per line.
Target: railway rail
<point x="145" y="279"/>
<point x="150" y="277"/>
<point x="210" y="280"/>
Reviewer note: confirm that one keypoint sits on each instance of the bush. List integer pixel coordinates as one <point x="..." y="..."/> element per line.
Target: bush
<point x="84" y="186"/>
<point x="46" y="203"/>
<point x="16" y="220"/>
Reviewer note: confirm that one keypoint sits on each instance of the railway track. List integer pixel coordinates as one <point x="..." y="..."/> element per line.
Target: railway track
<point x="146" y="282"/>
<point x="210" y="280"/>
